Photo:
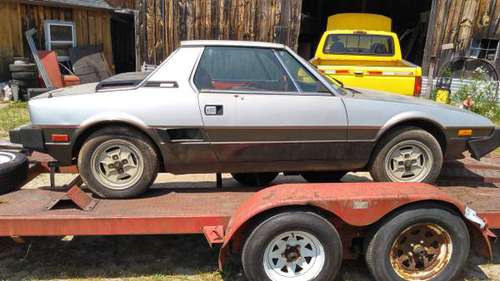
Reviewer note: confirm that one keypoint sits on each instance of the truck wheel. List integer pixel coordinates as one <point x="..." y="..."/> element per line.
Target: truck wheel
<point x="419" y="244"/>
<point x="118" y="163"/>
<point x="318" y="177"/>
<point x="255" y="179"/>
<point x="292" y="246"/>
<point x="407" y="155"/>
<point x="13" y="171"/>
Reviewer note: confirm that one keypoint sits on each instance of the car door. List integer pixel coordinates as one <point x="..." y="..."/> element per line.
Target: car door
<point x="256" y="112"/>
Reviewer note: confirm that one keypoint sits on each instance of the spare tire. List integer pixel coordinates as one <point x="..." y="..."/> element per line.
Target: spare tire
<point x="13" y="171"/>
<point x="23" y="67"/>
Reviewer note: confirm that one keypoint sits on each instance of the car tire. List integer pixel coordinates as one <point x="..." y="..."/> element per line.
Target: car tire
<point x="255" y="179"/>
<point x="395" y="157"/>
<point x="23" y="75"/>
<point x="320" y="254"/>
<point x="440" y="230"/>
<point x="23" y="67"/>
<point x="13" y="171"/>
<point x="118" y="162"/>
<point x="319" y="177"/>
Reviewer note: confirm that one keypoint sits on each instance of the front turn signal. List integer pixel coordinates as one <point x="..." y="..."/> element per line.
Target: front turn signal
<point x="465" y="133"/>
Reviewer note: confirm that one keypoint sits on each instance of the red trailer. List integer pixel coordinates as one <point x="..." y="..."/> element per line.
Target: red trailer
<point x="284" y="232"/>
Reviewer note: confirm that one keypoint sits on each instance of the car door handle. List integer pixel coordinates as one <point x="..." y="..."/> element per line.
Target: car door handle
<point x="214" y="109"/>
<point x="358" y="72"/>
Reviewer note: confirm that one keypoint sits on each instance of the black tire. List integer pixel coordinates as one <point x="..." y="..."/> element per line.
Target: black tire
<point x="400" y="137"/>
<point x="254" y="249"/>
<point x="28" y="67"/>
<point x="13" y="171"/>
<point x="24" y="75"/>
<point x="26" y="83"/>
<point x="319" y="177"/>
<point x="127" y="137"/>
<point x="255" y="179"/>
<point x="379" y="247"/>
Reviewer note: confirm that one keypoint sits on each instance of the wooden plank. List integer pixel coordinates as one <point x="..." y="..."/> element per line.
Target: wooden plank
<point x="150" y="29"/>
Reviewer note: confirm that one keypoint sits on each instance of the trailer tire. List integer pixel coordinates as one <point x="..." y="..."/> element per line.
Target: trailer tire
<point x="13" y="171"/>
<point x="137" y="167"/>
<point x="319" y="177"/>
<point x="319" y="249"/>
<point x="446" y="245"/>
<point x="409" y="141"/>
<point x="255" y="179"/>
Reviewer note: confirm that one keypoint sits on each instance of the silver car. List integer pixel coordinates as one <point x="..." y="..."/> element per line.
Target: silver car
<point x="247" y="108"/>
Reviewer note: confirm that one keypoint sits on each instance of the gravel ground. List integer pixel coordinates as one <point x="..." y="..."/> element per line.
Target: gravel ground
<point x="157" y="257"/>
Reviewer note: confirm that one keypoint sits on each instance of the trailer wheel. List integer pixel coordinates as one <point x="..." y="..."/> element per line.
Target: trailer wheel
<point x="13" y="171"/>
<point x="318" y="177"/>
<point x="255" y="179"/>
<point x="118" y="163"/>
<point x="293" y="246"/>
<point x="419" y="244"/>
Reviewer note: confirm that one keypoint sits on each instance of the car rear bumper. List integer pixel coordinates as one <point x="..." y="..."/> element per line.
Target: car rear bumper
<point x="28" y="137"/>
<point x="480" y="147"/>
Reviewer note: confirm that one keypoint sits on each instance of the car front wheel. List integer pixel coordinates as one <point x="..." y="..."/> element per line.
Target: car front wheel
<point x="118" y="163"/>
<point x="407" y="155"/>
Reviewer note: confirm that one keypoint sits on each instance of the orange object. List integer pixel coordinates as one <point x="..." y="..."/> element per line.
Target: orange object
<point x="49" y="61"/>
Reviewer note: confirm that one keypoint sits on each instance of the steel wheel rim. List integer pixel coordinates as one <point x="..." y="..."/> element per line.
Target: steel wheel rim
<point x="117" y="164"/>
<point x="6" y="157"/>
<point x="409" y="161"/>
<point x="294" y="255"/>
<point x="421" y="252"/>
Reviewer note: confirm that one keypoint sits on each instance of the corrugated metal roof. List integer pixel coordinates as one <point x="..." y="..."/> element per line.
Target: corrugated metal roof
<point x="96" y="4"/>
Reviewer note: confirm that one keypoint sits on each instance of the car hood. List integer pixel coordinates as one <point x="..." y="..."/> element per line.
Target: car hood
<point x="391" y="97"/>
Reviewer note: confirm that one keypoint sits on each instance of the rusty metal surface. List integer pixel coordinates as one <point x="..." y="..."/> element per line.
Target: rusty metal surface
<point x="24" y="213"/>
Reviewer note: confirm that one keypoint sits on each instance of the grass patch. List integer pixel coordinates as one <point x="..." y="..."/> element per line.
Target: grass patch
<point x="12" y="116"/>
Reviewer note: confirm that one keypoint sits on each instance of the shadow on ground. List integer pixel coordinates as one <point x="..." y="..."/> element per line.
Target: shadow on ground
<point x="153" y="258"/>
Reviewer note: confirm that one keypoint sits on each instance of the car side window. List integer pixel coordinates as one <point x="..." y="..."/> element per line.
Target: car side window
<point x="304" y="79"/>
<point x="241" y="69"/>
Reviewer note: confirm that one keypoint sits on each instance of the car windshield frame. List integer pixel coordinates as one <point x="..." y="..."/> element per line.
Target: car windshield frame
<point x="390" y="39"/>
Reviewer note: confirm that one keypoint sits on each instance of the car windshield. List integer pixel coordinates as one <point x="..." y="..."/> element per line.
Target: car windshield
<point x="359" y="44"/>
<point x="306" y="81"/>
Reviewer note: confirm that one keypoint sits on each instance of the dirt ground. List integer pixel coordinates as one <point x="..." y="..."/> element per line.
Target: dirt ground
<point x="158" y="257"/>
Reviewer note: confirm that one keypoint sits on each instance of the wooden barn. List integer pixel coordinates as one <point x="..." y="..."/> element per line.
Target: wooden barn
<point x="133" y="32"/>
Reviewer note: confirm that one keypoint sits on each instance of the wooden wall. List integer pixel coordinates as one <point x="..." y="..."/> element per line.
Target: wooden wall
<point x="123" y="4"/>
<point x="456" y="24"/>
<point x="162" y="24"/>
<point x="92" y="28"/>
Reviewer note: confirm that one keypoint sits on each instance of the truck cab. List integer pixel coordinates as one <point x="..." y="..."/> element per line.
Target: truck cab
<point x="361" y="51"/>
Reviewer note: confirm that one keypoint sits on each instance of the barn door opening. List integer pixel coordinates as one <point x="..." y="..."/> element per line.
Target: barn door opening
<point x="123" y="40"/>
<point x="410" y="20"/>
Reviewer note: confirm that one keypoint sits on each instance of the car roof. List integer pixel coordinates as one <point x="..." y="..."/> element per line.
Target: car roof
<point x="233" y="43"/>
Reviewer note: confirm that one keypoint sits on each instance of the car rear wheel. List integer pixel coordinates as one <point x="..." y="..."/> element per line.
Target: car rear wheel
<point x="429" y="244"/>
<point x="118" y="163"/>
<point x="255" y="179"/>
<point x="318" y="177"/>
<point x="292" y="246"/>
<point x="407" y="155"/>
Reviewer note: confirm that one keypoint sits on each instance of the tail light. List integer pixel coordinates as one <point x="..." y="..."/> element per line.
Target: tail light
<point x="418" y="86"/>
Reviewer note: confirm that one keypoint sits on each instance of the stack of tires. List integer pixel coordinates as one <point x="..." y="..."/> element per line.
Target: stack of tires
<point x="24" y="76"/>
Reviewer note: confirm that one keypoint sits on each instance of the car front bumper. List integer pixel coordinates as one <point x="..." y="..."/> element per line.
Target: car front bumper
<point x="480" y="147"/>
<point x="28" y="137"/>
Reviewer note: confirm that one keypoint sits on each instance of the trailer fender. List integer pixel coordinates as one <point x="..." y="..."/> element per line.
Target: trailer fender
<point x="356" y="204"/>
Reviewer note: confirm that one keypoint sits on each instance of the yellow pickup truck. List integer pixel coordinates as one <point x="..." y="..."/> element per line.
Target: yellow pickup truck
<point x="361" y="51"/>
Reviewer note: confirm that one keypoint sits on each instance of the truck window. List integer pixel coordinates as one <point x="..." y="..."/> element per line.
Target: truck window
<point x="359" y="44"/>
<point x="241" y="69"/>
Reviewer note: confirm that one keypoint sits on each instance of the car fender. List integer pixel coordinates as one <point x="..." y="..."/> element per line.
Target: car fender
<point x="109" y="118"/>
<point x="409" y="116"/>
<point x="356" y="204"/>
